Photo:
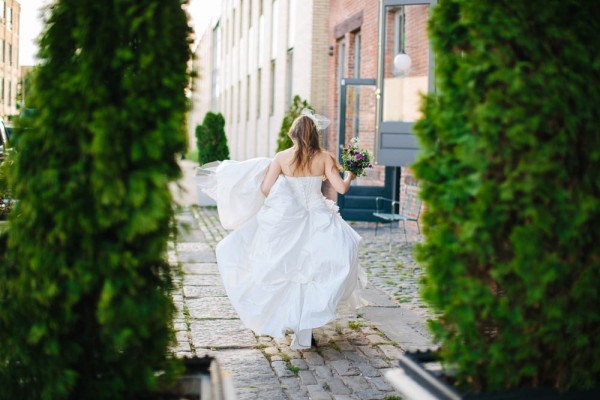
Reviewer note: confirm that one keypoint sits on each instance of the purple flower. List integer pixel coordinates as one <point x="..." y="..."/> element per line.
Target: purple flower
<point x="359" y="156"/>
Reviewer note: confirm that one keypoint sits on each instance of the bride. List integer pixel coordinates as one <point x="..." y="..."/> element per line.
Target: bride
<point x="291" y="258"/>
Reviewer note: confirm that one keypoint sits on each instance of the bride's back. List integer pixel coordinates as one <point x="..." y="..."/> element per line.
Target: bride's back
<point x="314" y="167"/>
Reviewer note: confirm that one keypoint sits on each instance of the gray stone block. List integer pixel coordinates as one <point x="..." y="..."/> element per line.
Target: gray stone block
<point x="299" y="363"/>
<point x="200" y="269"/>
<point x="344" y="367"/>
<point x="221" y="333"/>
<point x="210" y="308"/>
<point x="204" y="291"/>
<point x="307" y="378"/>
<point x="313" y="358"/>
<point x="202" y="280"/>
<point x="337" y="386"/>
<point x="316" y="392"/>
<point x="280" y="368"/>
<point x="367" y="370"/>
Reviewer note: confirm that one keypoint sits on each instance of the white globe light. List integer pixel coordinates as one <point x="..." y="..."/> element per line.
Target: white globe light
<point x="402" y="62"/>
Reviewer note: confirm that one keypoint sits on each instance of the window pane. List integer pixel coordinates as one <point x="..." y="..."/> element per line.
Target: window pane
<point x="404" y="81"/>
<point x="360" y="122"/>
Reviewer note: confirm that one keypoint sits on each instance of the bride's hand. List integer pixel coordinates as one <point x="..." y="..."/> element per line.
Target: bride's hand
<point x="351" y="175"/>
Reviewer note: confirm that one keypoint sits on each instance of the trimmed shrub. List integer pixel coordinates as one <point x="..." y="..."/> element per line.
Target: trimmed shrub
<point x="508" y="169"/>
<point x="86" y="310"/>
<point x="283" y="139"/>
<point x="211" y="139"/>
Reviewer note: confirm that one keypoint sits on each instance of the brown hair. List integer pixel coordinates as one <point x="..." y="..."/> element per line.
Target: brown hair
<point x="306" y="141"/>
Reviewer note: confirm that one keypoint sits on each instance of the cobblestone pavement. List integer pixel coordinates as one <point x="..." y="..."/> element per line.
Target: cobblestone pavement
<point x="351" y="354"/>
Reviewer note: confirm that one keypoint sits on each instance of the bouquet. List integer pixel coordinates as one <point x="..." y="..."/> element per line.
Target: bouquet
<point x="354" y="159"/>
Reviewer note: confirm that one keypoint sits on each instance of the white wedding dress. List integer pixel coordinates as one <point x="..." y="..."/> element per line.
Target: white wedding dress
<point x="291" y="258"/>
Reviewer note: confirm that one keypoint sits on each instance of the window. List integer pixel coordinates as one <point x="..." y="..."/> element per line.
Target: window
<point x="399" y="31"/>
<point x="2" y="9"/>
<point x="226" y="37"/>
<point x="258" y="92"/>
<point x="10" y="54"/>
<point x="233" y="24"/>
<point x="9" y="93"/>
<point x="341" y="59"/>
<point x="261" y="37"/>
<point x="216" y="65"/>
<point x="291" y="20"/>
<point x="9" y="20"/>
<point x="3" y="50"/>
<point x="239" y="101"/>
<point x="357" y="39"/>
<point x="290" y="77"/>
<point x="248" y="98"/>
<point x="2" y="92"/>
<point x="274" y="28"/>
<point x="272" y="90"/>
<point x="250" y="14"/>
<point x="357" y="90"/>
<point x="241" y="19"/>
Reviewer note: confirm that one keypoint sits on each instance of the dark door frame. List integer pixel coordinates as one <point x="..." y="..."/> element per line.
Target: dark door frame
<point x="358" y="204"/>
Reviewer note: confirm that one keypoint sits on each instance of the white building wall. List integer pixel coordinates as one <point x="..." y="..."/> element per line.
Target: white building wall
<point x="251" y="127"/>
<point x="201" y="85"/>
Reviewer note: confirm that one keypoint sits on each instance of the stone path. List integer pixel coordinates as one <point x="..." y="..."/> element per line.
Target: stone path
<point x="352" y="353"/>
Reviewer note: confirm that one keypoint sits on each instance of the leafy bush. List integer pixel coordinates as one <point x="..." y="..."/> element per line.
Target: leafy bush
<point x="85" y="307"/>
<point x="283" y="139"/>
<point x="211" y="139"/>
<point x="509" y="163"/>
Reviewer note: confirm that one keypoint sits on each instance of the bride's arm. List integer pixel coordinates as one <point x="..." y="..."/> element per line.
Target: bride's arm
<point x="271" y="176"/>
<point x="332" y="173"/>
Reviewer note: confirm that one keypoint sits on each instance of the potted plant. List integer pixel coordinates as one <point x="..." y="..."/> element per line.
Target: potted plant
<point x="508" y="169"/>
<point x="85" y="305"/>
<point x="212" y="146"/>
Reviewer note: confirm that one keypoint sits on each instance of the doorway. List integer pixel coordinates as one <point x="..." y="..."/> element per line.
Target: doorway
<point x="357" y="118"/>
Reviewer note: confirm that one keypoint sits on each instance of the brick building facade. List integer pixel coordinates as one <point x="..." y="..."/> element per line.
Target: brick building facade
<point x="353" y="35"/>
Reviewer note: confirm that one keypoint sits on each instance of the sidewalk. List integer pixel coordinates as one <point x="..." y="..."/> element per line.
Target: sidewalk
<point x="352" y="353"/>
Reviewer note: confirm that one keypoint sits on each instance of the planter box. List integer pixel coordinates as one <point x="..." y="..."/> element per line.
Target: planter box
<point x="204" y="199"/>
<point x="203" y="380"/>
<point x="420" y="377"/>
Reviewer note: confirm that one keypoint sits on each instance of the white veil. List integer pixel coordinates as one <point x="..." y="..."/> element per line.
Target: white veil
<point x="321" y="121"/>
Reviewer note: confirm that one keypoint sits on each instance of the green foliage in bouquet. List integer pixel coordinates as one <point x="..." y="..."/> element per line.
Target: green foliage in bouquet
<point x="283" y="139"/>
<point x="211" y="139"/>
<point x="509" y="172"/>
<point x="85" y="305"/>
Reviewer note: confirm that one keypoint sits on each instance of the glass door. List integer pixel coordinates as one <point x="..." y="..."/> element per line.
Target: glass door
<point x="357" y="119"/>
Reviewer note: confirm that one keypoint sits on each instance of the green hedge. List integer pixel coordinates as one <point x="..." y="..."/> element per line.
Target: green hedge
<point x="509" y="172"/>
<point x="85" y="310"/>
<point x="283" y="139"/>
<point x="211" y="139"/>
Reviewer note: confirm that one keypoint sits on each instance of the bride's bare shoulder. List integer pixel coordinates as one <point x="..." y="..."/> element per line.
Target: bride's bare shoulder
<point x="326" y="156"/>
<point x="284" y="154"/>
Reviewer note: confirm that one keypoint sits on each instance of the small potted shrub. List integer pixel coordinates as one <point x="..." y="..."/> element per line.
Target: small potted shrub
<point x="283" y="139"/>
